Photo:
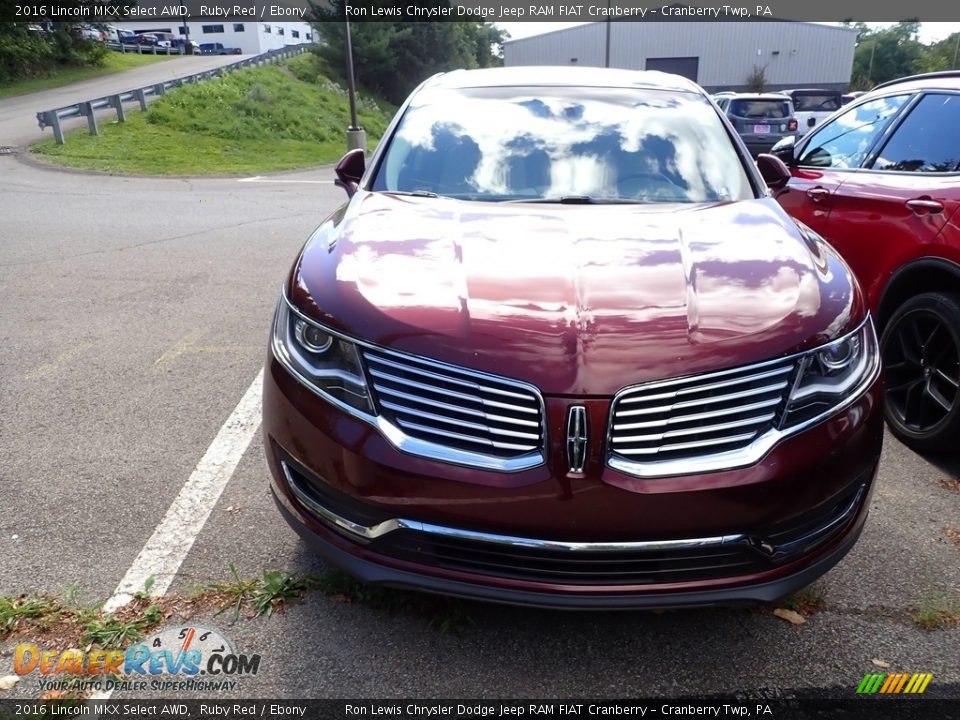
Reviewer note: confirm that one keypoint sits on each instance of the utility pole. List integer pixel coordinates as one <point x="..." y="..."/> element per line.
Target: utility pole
<point x="956" y="51"/>
<point x="873" y="49"/>
<point x="606" y="58"/>
<point x="356" y="136"/>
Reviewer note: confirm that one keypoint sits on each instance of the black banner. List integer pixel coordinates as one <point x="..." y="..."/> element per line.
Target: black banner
<point x="865" y="708"/>
<point x="487" y="10"/>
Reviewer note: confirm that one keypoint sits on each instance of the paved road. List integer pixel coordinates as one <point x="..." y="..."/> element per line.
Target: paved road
<point x="133" y="317"/>
<point x="18" y="114"/>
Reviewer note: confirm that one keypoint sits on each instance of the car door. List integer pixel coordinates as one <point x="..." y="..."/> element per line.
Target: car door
<point x="894" y="208"/>
<point x="831" y="154"/>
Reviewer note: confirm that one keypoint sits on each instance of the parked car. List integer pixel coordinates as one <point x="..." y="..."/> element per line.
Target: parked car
<point x="881" y="181"/>
<point x="761" y="120"/>
<point x="189" y="47"/>
<point x="813" y="106"/>
<point x="91" y="33"/>
<point x="560" y="347"/>
<point x="121" y="35"/>
<point x="146" y="39"/>
<point x="218" y="49"/>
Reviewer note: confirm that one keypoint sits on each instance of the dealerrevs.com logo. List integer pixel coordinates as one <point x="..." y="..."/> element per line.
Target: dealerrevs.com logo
<point x="188" y="657"/>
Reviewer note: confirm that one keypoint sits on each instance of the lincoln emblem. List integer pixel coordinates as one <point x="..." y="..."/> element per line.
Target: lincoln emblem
<point x="577" y="438"/>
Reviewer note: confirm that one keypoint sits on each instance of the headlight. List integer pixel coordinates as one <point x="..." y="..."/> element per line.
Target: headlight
<point x="325" y="362"/>
<point x="831" y="374"/>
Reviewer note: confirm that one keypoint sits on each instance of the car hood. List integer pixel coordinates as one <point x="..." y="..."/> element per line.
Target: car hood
<point x="576" y="299"/>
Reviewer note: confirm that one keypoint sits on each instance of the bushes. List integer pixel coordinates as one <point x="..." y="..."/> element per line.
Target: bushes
<point x="26" y="53"/>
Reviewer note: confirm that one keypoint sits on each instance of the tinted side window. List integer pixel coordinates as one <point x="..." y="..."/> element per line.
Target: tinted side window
<point x="927" y="140"/>
<point x="843" y="142"/>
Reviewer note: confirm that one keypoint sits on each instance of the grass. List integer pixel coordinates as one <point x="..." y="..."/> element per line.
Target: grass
<point x="113" y="62"/>
<point x="937" y="610"/>
<point x="256" y="120"/>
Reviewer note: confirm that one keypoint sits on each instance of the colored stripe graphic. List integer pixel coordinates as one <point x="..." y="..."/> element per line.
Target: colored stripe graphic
<point x="894" y="684"/>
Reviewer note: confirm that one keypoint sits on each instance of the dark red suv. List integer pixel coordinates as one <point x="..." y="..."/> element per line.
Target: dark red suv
<point x="881" y="181"/>
<point x="561" y="347"/>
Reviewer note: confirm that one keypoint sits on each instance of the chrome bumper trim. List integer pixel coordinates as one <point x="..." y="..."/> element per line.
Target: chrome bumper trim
<point x="372" y="532"/>
<point x="367" y="533"/>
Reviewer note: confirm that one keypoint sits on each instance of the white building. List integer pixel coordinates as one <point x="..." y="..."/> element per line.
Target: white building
<point x="717" y="55"/>
<point x="251" y="37"/>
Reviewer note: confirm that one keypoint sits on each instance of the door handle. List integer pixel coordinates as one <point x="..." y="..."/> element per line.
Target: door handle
<point x="925" y="206"/>
<point x="817" y="193"/>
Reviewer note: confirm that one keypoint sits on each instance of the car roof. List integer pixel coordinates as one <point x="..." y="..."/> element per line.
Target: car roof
<point x="760" y="96"/>
<point x="946" y="80"/>
<point x="818" y="91"/>
<point x="563" y="76"/>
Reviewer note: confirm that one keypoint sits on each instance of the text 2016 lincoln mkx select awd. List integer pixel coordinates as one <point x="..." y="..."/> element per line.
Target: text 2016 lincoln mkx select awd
<point x="561" y="347"/>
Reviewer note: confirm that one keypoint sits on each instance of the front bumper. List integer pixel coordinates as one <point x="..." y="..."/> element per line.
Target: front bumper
<point x="543" y="537"/>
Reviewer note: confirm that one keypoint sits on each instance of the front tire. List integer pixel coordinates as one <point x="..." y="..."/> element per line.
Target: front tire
<point x="921" y="356"/>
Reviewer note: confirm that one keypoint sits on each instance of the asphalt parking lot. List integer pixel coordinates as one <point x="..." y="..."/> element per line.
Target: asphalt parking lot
<point x="134" y="315"/>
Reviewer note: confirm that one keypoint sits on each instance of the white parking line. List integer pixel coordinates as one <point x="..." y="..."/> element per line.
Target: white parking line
<point x="167" y="548"/>
<point x="261" y="179"/>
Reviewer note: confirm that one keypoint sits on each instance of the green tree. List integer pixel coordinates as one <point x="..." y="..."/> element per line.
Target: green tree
<point x="886" y="54"/>
<point x="943" y="55"/>
<point x="37" y="49"/>
<point x="392" y="58"/>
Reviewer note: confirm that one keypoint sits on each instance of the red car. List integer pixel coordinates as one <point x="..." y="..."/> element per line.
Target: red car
<point x="880" y="180"/>
<point x="561" y="347"/>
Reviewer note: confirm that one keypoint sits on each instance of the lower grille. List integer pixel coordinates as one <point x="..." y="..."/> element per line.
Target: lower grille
<point x="547" y="562"/>
<point x="739" y="555"/>
<point x="571" y="568"/>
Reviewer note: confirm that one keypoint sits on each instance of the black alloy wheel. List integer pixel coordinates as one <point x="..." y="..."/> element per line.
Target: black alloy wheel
<point x="921" y="357"/>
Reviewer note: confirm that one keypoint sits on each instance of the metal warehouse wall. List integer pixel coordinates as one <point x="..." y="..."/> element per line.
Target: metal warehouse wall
<point x="795" y="54"/>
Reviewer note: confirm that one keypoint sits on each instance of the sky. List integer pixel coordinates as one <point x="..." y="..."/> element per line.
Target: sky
<point x="929" y="31"/>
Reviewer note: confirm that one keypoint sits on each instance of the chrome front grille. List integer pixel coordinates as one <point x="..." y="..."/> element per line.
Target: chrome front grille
<point x="701" y="415"/>
<point x="468" y="412"/>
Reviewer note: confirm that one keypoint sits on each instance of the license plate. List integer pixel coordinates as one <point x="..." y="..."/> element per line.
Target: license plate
<point x="761" y="129"/>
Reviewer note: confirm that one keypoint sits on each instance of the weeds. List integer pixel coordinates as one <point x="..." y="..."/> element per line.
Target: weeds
<point x="13" y="609"/>
<point x="111" y="631"/>
<point x="937" y="610"/>
<point x="277" y="588"/>
<point x="147" y="587"/>
<point x="239" y="591"/>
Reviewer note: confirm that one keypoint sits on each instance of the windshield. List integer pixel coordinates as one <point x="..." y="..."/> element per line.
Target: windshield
<point x="824" y="102"/>
<point x="548" y="143"/>
<point x="760" y="109"/>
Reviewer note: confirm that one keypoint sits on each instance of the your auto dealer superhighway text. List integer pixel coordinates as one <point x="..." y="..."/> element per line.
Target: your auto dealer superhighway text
<point x="479" y="710"/>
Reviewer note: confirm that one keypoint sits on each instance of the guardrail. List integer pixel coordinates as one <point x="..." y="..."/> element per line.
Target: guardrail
<point x="144" y="49"/>
<point x="89" y="108"/>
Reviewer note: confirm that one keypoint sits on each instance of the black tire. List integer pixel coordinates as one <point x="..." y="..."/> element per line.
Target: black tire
<point x="921" y="357"/>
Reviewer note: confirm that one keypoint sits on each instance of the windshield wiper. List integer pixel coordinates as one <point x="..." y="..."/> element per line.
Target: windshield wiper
<point x="413" y="193"/>
<point x="576" y="200"/>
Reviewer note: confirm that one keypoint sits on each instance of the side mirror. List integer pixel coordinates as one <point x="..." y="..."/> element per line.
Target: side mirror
<point x="774" y="171"/>
<point x="349" y="171"/>
<point x="784" y="149"/>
